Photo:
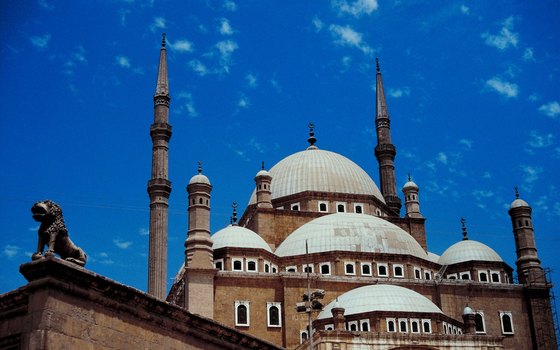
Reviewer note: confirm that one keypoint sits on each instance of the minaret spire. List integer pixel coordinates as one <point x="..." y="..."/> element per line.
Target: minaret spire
<point x="385" y="151"/>
<point x="159" y="186"/>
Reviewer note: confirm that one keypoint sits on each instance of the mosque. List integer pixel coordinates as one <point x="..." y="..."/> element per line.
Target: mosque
<point x="321" y="258"/>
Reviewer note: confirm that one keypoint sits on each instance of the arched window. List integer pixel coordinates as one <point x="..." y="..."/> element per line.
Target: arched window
<point x="483" y="277"/>
<point x="322" y="206"/>
<point x="353" y="327"/>
<point x="507" y="324"/>
<point x="241" y="313"/>
<point x="382" y="270"/>
<point x="303" y="336"/>
<point x="427" y="326"/>
<point x="326" y="269"/>
<point x="251" y="266"/>
<point x="349" y="268"/>
<point x="273" y="314"/>
<point x="365" y="325"/>
<point x="237" y="265"/>
<point x="340" y="208"/>
<point x="403" y="326"/>
<point x="358" y="209"/>
<point x="391" y="325"/>
<point x="366" y="269"/>
<point x="479" y="323"/>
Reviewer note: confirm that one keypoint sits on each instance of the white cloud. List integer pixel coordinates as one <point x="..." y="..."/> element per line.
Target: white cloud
<point x="123" y="61"/>
<point x="318" y="24"/>
<point x="256" y="145"/>
<point x="44" y="4"/>
<point x="159" y="23"/>
<point x="486" y="175"/>
<point x="122" y="244"/>
<point x="533" y="97"/>
<point x="243" y="101"/>
<point x="198" y="67"/>
<point x="10" y="251"/>
<point x="181" y="46"/>
<point x="226" y="48"/>
<point x="230" y="5"/>
<point x="186" y="104"/>
<point x="442" y="157"/>
<point x="251" y="80"/>
<point x="40" y="42"/>
<point x="482" y="194"/>
<point x="466" y="143"/>
<point x="503" y="87"/>
<point x="551" y="109"/>
<point x="400" y="92"/>
<point x="346" y="36"/>
<point x="465" y="10"/>
<point x="143" y="231"/>
<point x="531" y="173"/>
<point x="276" y="85"/>
<point x="540" y="141"/>
<point x="225" y="28"/>
<point x="505" y="38"/>
<point x="356" y="8"/>
<point x="528" y="54"/>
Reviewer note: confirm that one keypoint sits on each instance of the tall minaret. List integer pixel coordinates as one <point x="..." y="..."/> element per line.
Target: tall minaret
<point x="159" y="187"/>
<point x="385" y="151"/>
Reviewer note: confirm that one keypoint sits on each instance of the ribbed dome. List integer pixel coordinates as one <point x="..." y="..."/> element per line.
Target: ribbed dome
<point x="199" y="179"/>
<point x="239" y="237"/>
<point x="468" y="250"/>
<point x="319" y="170"/>
<point x="410" y="185"/>
<point x="518" y="203"/>
<point x="381" y="297"/>
<point x="350" y="232"/>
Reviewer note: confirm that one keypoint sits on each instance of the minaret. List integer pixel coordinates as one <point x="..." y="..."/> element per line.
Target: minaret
<point x="262" y="182"/>
<point x="411" y="201"/>
<point x="199" y="260"/>
<point x="529" y="268"/>
<point x="159" y="187"/>
<point x="385" y="151"/>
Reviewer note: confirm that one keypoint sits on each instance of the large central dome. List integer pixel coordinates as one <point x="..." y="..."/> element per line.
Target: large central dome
<point x="322" y="171"/>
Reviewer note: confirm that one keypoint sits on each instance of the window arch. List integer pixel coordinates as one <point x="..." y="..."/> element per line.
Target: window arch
<point x="241" y="313"/>
<point x="274" y="316"/>
<point x="479" y="322"/>
<point x="507" y="323"/>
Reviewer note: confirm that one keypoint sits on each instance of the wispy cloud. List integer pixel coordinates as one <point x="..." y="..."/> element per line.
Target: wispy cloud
<point x="122" y="244"/>
<point x="530" y="175"/>
<point x="10" y="251"/>
<point x="256" y="145"/>
<point x="467" y="143"/>
<point x="528" y="54"/>
<point x="482" y="194"/>
<point x="230" y="5"/>
<point x="399" y="92"/>
<point x="243" y="101"/>
<point x="158" y="23"/>
<point x="40" y="42"/>
<point x="181" y="46"/>
<point x="505" y="38"/>
<point x="186" y="104"/>
<point x="346" y="36"/>
<point x="226" y="49"/>
<point x="124" y="62"/>
<point x="225" y="28"/>
<point x="198" y="67"/>
<point x="355" y="8"/>
<point x="143" y="231"/>
<point x="318" y="24"/>
<point x="44" y="4"/>
<point x="504" y="88"/>
<point x="550" y="109"/>
<point x="442" y="158"/>
<point x="537" y="140"/>
<point x="251" y="80"/>
<point x="465" y="10"/>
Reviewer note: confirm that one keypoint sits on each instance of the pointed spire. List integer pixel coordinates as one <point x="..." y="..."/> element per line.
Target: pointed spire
<point x="381" y="105"/>
<point x="199" y="167"/>
<point x="311" y="138"/>
<point x="262" y="165"/>
<point x="409" y="178"/>
<point x="162" y="85"/>
<point x="516" y="193"/>
<point x="234" y="216"/>
<point x="464" y="228"/>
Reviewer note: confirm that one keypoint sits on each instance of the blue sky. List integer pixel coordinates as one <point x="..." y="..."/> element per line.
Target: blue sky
<point x="472" y="87"/>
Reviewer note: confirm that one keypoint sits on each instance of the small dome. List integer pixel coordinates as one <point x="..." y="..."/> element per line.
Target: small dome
<point x="410" y="185"/>
<point x="468" y="250"/>
<point x="262" y="173"/>
<point x="518" y="203"/>
<point x="381" y="297"/>
<point x="322" y="171"/>
<point x="352" y="233"/>
<point x="239" y="237"/>
<point x="199" y="179"/>
<point x="468" y="311"/>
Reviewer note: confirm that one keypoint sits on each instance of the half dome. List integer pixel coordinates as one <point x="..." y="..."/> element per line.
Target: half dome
<point x="322" y="171"/>
<point x="238" y="237"/>
<point x="468" y="250"/>
<point x="381" y="297"/>
<point x="350" y="232"/>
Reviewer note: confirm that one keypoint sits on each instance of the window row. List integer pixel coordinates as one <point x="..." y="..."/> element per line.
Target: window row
<point x="483" y="276"/>
<point x="247" y="265"/>
<point x="352" y="268"/>
<point x="448" y="328"/>
<point x="506" y="322"/>
<point x="273" y="314"/>
<point x="405" y="325"/>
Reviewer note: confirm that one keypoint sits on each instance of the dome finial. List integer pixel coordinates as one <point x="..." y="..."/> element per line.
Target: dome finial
<point x="464" y="228"/>
<point x="377" y="64"/>
<point x="409" y="178"/>
<point x="163" y="40"/>
<point x="199" y="167"/>
<point x="234" y="216"/>
<point x="516" y="193"/>
<point x="311" y="138"/>
<point x="262" y="165"/>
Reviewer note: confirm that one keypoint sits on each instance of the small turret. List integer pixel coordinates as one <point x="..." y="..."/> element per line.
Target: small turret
<point x="469" y="321"/>
<point x="411" y="201"/>
<point x="264" y="194"/>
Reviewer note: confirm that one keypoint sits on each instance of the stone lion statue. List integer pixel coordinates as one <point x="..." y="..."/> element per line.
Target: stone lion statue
<point x="54" y="235"/>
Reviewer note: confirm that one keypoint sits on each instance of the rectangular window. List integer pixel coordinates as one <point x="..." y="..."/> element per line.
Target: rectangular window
<point x="323" y="207"/>
<point x="482" y="276"/>
<point x="495" y="276"/>
<point x="307" y="268"/>
<point x="366" y="268"/>
<point x="427" y="275"/>
<point x="398" y="270"/>
<point x="349" y="268"/>
<point x="364" y="325"/>
<point x="325" y="268"/>
<point x="415" y="326"/>
<point x="237" y="264"/>
<point x="358" y="208"/>
<point x="391" y="325"/>
<point x="417" y="273"/>
<point x="426" y="326"/>
<point x="340" y="207"/>
<point x="382" y="270"/>
<point x="465" y="275"/>
<point x="219" y="264"/>
<point x="274" y="314"/>
<point x="251" y="265"/>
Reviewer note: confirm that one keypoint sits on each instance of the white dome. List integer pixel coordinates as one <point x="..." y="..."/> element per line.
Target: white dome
<point x="468" y="250"/>
<point x="350" y="232"/>
<point x="239" y="237"/>
<point x="433" y="257"/>
<point x="518" y="203"/>
<point x="199" y="179"/>
<point x="381" y="297"/>
<point x="318" y="170"/>
<point x="410" y="185"/>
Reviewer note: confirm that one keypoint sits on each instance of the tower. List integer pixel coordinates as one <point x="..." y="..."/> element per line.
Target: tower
<point x="411" y="201"/>
<point x="199" y="261"/>
<point x="385" y="151"/>
<point x="159" y="186"/>
<point x="262" y="182"/>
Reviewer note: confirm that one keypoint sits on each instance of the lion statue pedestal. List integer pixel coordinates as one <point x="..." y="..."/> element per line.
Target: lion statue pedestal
<point x="54" y="235"/>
